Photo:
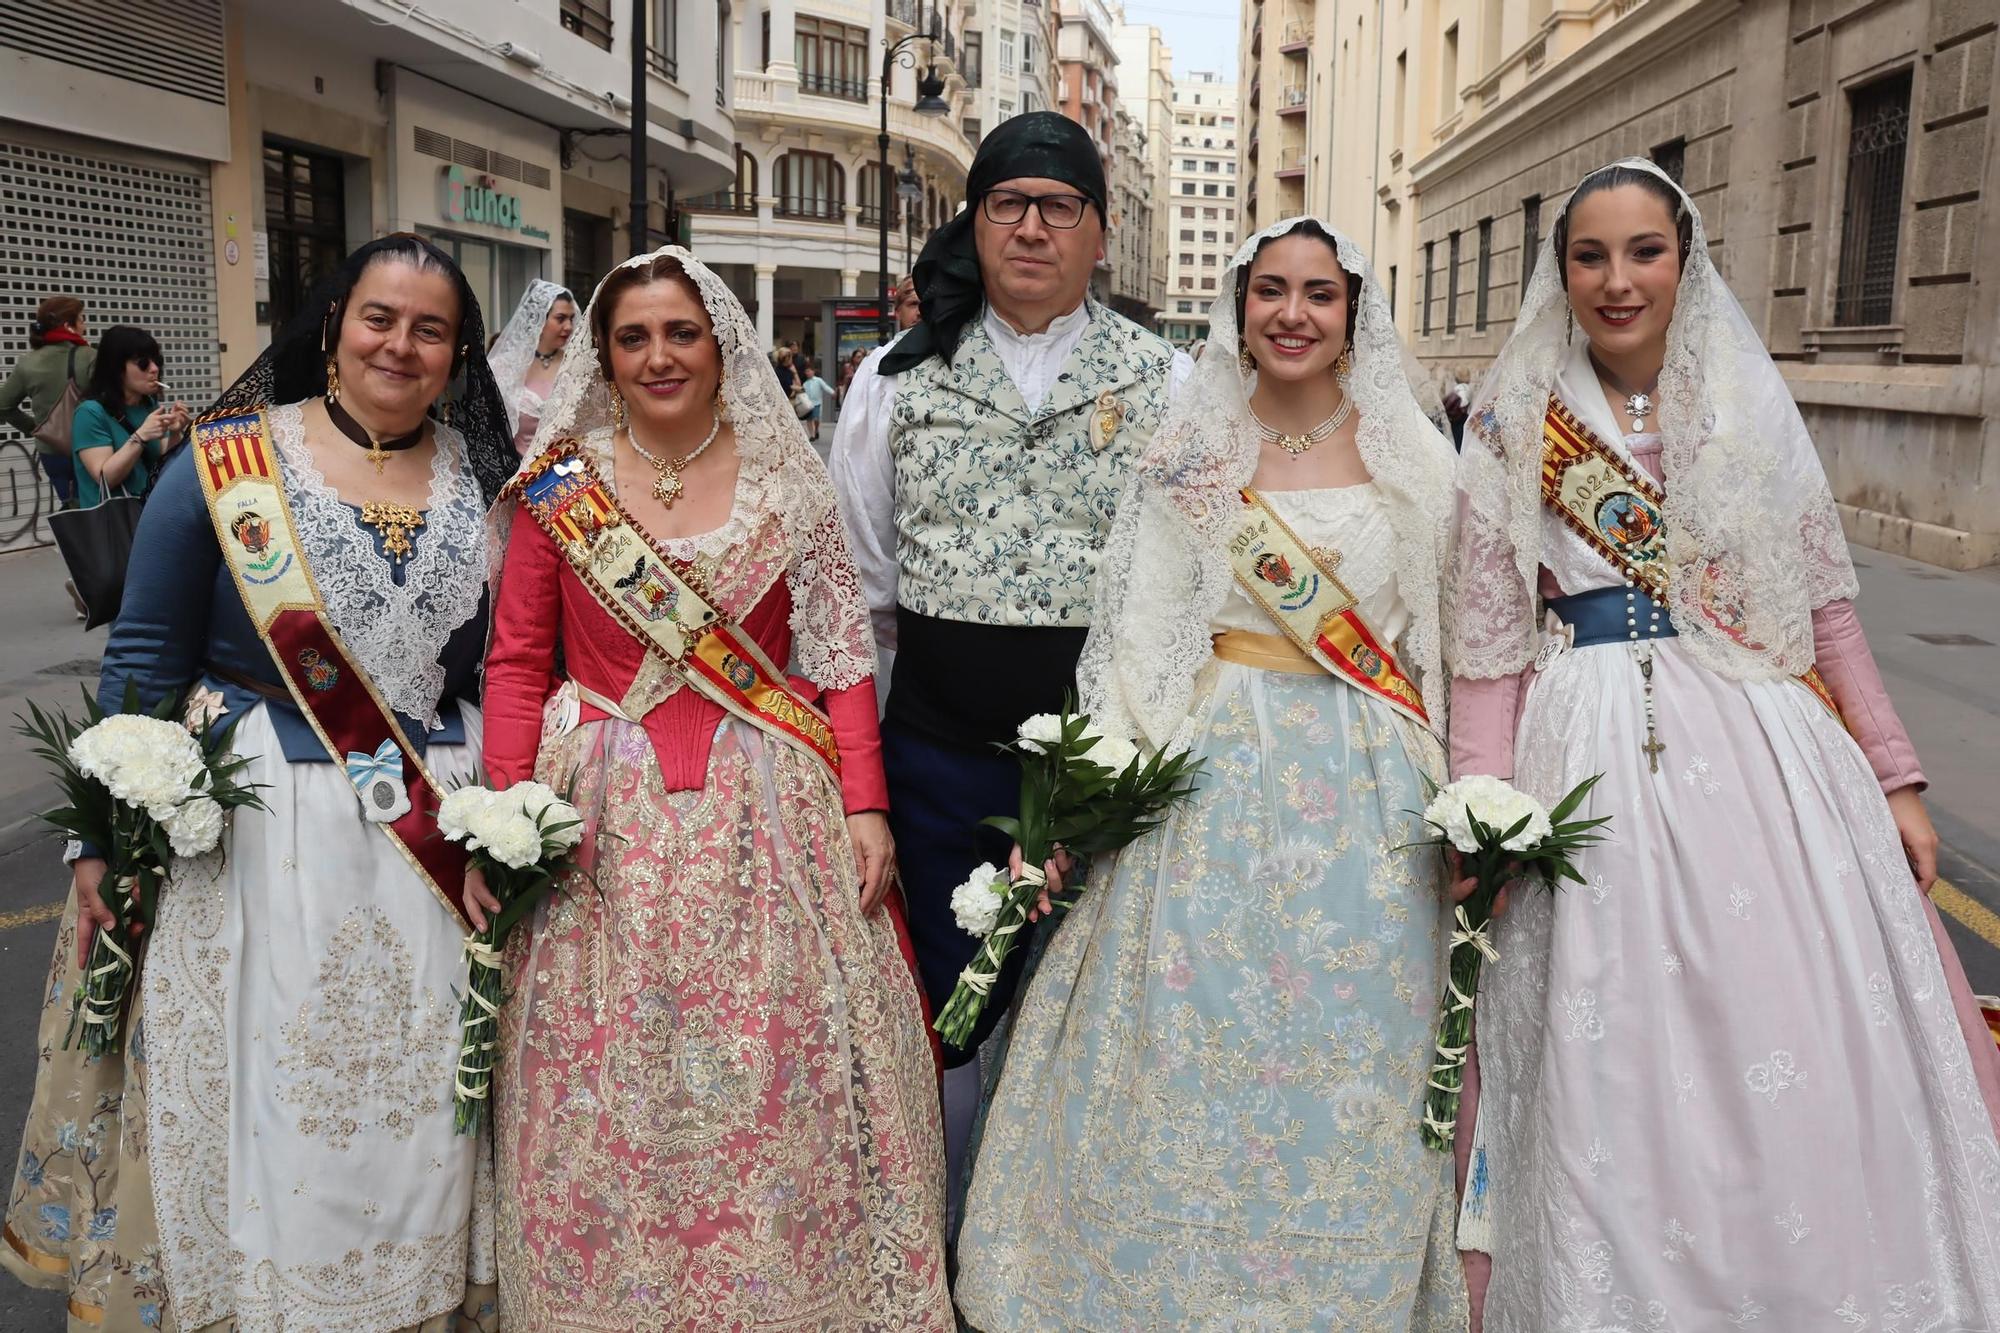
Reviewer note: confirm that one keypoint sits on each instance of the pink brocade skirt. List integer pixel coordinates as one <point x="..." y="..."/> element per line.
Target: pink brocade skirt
<point x="716" y="1106"/>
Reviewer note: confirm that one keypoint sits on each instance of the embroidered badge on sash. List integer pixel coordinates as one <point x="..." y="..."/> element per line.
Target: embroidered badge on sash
<point x="1617" y="510"/>
<point x="1296" y="586"/>
<point x="321" y="674"/>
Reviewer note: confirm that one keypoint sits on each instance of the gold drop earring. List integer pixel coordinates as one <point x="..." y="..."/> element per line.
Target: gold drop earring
<point x="618" y="420"/>
<point x="1246" y="362"/>
<point x="1343" y="365"/>
<point x="332" y="378"/>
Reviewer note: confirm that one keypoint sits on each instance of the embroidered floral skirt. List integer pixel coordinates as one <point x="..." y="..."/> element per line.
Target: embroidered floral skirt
<point x="275" y="1148"/>
<point x="717" y="1105"/>
<point x="1209" y="1113"/>
<point x="1722" y="1083"/>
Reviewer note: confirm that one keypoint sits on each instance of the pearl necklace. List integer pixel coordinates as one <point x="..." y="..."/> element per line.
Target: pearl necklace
<point x="1299" y="444"/>
<point x="667" y="485"/>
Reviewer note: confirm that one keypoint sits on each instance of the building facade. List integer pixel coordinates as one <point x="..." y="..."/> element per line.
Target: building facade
<point x="1148" y="66"/>
<point x="1204" y="224"/>
<point x="1841" y="151"/>
<point x="1128" y="241"/>
<point x="1015" y="48"/>
<point x="202" y="191"/>
<point x="801" y="222"/>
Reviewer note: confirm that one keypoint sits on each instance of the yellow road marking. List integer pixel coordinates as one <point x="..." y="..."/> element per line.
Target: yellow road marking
<point x="1968" y="912"/>
<point x="31" y="916"/>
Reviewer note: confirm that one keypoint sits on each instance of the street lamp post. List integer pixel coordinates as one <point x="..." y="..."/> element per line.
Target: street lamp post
<point x="930" y="102"/>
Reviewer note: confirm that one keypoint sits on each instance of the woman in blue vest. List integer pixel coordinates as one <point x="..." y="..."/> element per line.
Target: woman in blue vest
<point x="274" y="1147"/>
<point x="1210" y="1111"/>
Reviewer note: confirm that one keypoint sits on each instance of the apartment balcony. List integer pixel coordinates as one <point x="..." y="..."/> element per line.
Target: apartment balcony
<point x="1292" y="100"/>
<point x="1292" y="162"/>
<point x="905" y="12"/>
<point x="1256" y="89"/>
<point x="1257" y="34"/>
<point x="1298" y="36"/>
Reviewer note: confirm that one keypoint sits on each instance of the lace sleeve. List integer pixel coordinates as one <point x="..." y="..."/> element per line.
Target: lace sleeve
<point x="832" y="645"/>
<point x="1489" y="602"/>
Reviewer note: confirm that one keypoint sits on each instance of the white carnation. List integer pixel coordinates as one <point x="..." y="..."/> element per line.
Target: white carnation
<point x="460" y="809"/>
<point x="1113" y="753"/>
<point x="143" y="761"/>
<point x="976" y="903"/>
<point x="539" y="802"/>
<point x="1043" y="729"/>
<point x="514" y="841"/>
<point x="195" y="828"/>
<point x="1496" y="804"/>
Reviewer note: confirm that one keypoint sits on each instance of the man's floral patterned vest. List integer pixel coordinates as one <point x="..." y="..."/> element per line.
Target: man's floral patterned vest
<point x="1002" y="511"/>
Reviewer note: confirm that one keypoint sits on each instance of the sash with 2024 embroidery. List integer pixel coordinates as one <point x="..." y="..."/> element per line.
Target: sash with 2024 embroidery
<point x="656" y="601"/>
<point x="244" y="491"/>
<point x="1299" y="589"/>
<point x="1617" y="510"/>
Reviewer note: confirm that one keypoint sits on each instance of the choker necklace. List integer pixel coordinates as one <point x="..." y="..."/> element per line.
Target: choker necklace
<point x="378" y="450"/>
<point x="1299" y="444"/>
<point x="667" y="485"/>
<point x="550" y="359"/>
<point x="1638" y="406"/>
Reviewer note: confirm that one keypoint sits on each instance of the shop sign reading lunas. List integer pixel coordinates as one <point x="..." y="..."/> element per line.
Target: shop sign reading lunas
<point x="473" y="199"/>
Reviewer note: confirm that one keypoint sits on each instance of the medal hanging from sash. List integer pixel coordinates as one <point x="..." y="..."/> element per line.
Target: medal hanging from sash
<point x="1297" y="587"/>
<point x="658" y="603"/>
<point x="244" y="491"/>
<point x="1618" y="511"/>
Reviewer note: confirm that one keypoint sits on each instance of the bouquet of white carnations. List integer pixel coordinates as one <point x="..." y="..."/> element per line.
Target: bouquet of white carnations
<point x="523" y="839"/>
<point x="142" y="790"/>
<point x="1081" y="792"/>
<point x="1502" y="834"/>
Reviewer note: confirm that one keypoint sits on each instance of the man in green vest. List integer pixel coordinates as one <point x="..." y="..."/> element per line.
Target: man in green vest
<point x="979" y="461"/>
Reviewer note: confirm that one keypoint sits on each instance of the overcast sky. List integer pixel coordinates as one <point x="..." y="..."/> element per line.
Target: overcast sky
<point x="1202" y="33"/>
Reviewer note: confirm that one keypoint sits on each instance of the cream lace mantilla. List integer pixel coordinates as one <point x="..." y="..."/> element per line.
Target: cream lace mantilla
<point x="396" y="632"/>
<point x="1165" y="572"/>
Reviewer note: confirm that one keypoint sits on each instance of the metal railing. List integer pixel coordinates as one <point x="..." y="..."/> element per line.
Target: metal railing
<point x="1292" y="95"/>
<point x="1297" y="31"/>
<point x="815" y="209"/>
<point x="1292" y="159"/>
<point x="828" y="85"/>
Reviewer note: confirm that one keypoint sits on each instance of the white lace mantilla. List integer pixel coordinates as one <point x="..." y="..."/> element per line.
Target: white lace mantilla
<point x="396" y="632"/>
<point x="1753" y="541"/>
<point x="1165" y="571"/>
<point x="783" y="515"/>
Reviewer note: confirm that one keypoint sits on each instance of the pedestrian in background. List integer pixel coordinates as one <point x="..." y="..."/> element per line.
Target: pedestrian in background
<point x="58" y="356"/>
<point x="816" y="391"/>
<point x="122" y="431"/>
<point x="908" y="308"/>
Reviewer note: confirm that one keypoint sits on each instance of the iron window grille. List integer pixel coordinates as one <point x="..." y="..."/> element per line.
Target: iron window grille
<point x="1871" y="222"/>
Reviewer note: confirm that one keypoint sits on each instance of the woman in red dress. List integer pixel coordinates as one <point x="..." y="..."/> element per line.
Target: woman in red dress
<point x="717" y="1105"/>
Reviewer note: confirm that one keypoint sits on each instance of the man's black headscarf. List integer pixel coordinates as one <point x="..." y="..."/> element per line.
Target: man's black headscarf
<point x="949" y="287"/>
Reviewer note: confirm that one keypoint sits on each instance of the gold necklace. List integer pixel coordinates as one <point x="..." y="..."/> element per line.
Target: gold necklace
<point x="667" y="486"/>
<point x="1299" y="444"/>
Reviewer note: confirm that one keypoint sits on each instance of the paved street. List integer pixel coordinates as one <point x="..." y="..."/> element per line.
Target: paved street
<point x="1948" y="692"/>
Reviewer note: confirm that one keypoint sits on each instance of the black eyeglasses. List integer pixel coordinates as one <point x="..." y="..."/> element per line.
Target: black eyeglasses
<point x="1004" y="208"/>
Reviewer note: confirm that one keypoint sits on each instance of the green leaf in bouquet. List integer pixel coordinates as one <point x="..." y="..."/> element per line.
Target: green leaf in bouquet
<point x="1568" y="805"/>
